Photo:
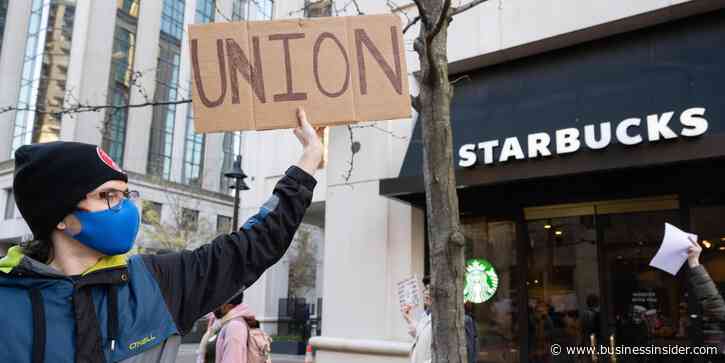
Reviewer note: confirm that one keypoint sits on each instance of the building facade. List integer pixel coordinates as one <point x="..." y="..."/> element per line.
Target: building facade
<point x="580" y="129"/>
<point x="61" y="55"/>
<point x="58" y="55"/>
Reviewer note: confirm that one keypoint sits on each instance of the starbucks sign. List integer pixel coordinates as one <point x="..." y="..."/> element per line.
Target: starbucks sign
<point x="481" y="281"/>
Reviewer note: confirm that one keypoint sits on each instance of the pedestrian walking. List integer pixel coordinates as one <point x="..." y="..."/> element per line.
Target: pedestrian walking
<point x="234" y="336"/>
<point x="72" y="295"/>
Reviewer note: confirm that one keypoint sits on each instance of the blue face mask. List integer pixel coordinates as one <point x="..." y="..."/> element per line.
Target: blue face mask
<point x="111" y="232"/>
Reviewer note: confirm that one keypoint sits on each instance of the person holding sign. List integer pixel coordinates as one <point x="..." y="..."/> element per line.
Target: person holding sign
<point x="702" y="286"/>
<point x="421" y="330"/>
<point x="73" y="295"/>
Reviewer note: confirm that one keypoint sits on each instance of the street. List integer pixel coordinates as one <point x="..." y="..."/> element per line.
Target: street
<point x="187" y="354"/>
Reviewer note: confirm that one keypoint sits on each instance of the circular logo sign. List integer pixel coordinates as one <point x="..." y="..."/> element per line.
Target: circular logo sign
<point x="107" y="160"/>
<point x="481" y="281"/>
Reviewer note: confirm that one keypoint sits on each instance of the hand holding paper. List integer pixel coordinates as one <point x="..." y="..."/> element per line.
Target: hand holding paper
<point x="693" y="253"/>
<point x="410" y="298"/>
<point x="674" y="250"/>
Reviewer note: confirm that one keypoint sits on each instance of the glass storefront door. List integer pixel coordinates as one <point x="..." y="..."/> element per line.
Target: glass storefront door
<point x="590" y="284"/>
<point x="645" y="306"/>
<point x="563" y="286"/>
<point x="496" y="319"/>
<point x="579" y="275"/>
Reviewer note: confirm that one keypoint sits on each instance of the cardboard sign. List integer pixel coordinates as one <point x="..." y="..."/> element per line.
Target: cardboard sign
<point x="254" y="75"/>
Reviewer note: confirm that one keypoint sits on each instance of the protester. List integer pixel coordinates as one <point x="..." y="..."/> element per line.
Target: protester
<point x="71" y="295"/>
<point x="471" y="333"/>
<point x="704" y="289"/>
<point x="421" y="331"/>
<point x="230" y="339"/>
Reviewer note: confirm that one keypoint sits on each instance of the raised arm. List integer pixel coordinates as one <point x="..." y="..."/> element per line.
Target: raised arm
<point x="702" y="286"/>
<point x="196" y="282"/>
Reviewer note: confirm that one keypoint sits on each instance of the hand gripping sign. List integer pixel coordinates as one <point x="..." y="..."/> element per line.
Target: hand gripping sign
<point x="254" y="75"/>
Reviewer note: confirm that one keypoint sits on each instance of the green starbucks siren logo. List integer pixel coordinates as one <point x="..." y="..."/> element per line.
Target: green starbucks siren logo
<point x="481" y="281"/>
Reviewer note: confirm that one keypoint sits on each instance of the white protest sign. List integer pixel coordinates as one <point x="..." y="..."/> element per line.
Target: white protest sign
<point x="673" y="251"/>
<point x="410" y="293"/>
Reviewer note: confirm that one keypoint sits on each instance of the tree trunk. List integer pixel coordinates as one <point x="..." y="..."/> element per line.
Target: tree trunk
<point x="445" y="236"/>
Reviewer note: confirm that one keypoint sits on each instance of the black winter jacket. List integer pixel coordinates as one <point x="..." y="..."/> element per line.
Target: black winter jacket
<point x="707" y="294"/>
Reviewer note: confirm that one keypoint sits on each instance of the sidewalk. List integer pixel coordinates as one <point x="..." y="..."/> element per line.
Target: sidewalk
<point x="187" y="354"/>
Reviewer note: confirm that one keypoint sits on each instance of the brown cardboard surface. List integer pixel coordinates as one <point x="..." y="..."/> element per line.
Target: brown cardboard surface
<point x="233" y="113"/>
<point x="298" y="85"/>
<point x="340" y="69"/>
<point x="381" y="80"/>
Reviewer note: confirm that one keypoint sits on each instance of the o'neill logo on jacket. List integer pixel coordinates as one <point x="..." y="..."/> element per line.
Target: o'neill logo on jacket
<point x="567" y="141"/>
<point x="140" y="343"/>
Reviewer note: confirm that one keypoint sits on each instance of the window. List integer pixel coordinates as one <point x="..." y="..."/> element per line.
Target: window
<point x="193" y="142"/>
<point x="205" y="10"/>
<point x="238" y="10"/>
<point x="129" y="7"/>
<point x="260" y="9"/>
<point x="223" y="224"/>
<point x="167" y="83"/>
<point x="45" y="67"/>
<point x="230" y="148"/>
<point x="193" y="153"/>
<point x="151" y="212"/>
<point x="496" y="318"/>
<point x="318" y="8"/>
<point x="189" y="219"/>
<point x="122" y="58"/>
<point x="10" y="204"/>
<point x="3" y="16"/>
<point x="172" y="18"/>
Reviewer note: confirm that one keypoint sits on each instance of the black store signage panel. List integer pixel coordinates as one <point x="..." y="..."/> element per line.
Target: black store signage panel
<point x="644" y="98"/>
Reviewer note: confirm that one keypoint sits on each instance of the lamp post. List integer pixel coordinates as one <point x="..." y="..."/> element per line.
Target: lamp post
<point x="238" y="175"/>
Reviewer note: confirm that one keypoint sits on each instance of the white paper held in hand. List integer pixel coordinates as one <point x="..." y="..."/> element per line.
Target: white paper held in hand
<point x="673" y="251"/>
<point x="409" y="293"/>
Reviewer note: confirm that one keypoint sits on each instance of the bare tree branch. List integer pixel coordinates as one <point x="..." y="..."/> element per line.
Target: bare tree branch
<point x="465" y="76"/>
<point x="357" y="7"/>
<point x="441" y="19"/>
<point x="467" y="7"/>
<point x="411" y="23"/>
<point x="354" y="148"/>
<point x="455" y="12"/>
<point x="79" y="108"/>
<point x="395" y="8"/>
<point x="219" y="11"/>
<point x="415" y="102"/>
<point x="422" y="11"/>
<point x="376" y="127"/>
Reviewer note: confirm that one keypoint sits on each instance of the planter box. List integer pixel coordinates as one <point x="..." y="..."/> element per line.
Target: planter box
<point x="294" y="347"/>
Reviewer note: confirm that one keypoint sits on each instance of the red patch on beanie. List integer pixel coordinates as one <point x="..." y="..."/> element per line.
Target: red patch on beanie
<point x="108" y="161"/>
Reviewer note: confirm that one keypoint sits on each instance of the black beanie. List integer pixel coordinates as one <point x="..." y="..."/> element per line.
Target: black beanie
<point x="52" y="178"/>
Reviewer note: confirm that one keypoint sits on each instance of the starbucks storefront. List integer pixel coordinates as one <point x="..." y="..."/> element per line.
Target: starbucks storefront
<point x="569" y="164"/>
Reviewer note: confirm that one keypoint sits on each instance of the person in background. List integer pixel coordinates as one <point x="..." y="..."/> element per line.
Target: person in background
<point x="421" y="331"/>
<point x="704" y="289"/>
<point x="471" y="333"/>
<point x="226" y="340"/>
<point x="591" y="321"/>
